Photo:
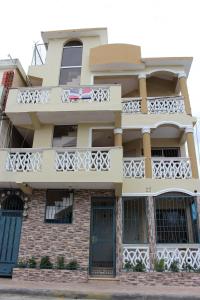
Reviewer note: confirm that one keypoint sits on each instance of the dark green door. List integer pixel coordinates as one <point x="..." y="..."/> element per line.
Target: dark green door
<point x="10" y="230"/>
<point x="102" y="250"/>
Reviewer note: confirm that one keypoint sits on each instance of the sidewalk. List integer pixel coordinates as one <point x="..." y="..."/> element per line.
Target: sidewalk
<point x="97" y="290"/>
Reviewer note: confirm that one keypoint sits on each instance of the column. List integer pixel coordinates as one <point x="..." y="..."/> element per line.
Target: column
<point x="147" y="151"/>
<point x="118" y="129"/>
<point x="191" y="151"/>
<point x="184" y="91"/>
<point x="119" y="243"/>
<point x="151" y="231"/>
<point x="143" y="93"/>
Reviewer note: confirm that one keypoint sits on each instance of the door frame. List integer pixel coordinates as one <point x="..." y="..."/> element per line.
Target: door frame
<point x="113" y="207"/>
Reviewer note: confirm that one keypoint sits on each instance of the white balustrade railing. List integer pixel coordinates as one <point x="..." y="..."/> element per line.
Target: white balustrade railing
<point x="33" y="95"/>
<point x="26" y="161"/>
<point x="82" y="160"/>
<point x="133" y="254"/>
<point x="134" y="167"/>
<point x="131" y="105"/>
<point x="86" y="94"/>
<point x="185" y="256"/>
<point x="165" y="105"/>
<point x="171" y="168"/>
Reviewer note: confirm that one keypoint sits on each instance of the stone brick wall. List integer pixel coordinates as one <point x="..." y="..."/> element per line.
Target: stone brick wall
<point x="50" y="275"/>
<point x="162" y="279"/>
<point x="69" y="240"/>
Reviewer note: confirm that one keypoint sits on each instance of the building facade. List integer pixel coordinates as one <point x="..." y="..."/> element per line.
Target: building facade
<point x="109" y="173"/>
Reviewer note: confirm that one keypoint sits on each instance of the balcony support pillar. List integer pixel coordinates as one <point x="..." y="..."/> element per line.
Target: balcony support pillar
<point x="119" y="247"/>
<point x="191" y="151"/>
<point x="143" y="93"/>
<point x="118" y="129"/>
<point x="147" y="151"/>
<point x="184" y="92"/>
<point x="151" y="231"/>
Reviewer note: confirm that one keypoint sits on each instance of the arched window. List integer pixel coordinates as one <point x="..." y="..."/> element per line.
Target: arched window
<point x="71" y="63"/>
<point x="13" y="202"/>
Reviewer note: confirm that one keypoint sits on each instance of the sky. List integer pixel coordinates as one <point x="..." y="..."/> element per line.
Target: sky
<point x="161" y="28"/>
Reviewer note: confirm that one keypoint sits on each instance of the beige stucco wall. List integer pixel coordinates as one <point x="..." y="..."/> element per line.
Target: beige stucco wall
<point x="147" y="185"/>
<point x="103" y="56"/>
<point x="43" y="136"/>
<point x="51" y="70"/>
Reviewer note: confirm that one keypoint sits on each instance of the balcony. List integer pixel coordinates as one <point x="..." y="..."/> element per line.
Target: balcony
<point x="167" y="174"/>
<point x="67" y="167"/>
<point x="184" y="254"/>
<point x="162" y="168"/>
<point x="156" y="105"/>
<point x="56" y="104"/>
<point x="171" y="108"/>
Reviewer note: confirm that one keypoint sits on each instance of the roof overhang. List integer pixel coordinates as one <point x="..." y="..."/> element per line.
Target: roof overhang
<point x="73" y="33"/>
<point x="6" y="64"/>
<point x="185" y="62"/>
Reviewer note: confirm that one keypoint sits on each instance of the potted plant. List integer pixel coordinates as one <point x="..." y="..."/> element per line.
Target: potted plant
<point x="159" y="265"/>
<point x="139" y="266"/>
<point x="60" y="262"/>
<point x="45" y="263"/>
<point x="32" y="262"/>
<point x="72" y="265"/>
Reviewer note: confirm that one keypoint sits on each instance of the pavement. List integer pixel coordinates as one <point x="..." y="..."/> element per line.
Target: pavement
<point x="95" y="289"/>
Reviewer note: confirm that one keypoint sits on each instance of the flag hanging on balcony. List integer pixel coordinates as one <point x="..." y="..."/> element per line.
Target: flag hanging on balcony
<point x="86" y="93"/>
<point x="74" y="94"/>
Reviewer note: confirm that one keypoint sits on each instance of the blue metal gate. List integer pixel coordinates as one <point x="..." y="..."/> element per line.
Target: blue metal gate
<point x="10" y="230"/>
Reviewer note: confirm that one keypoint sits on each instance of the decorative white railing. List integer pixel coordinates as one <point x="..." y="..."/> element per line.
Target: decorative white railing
<point x="134" y="167"/>
<point x="131" y="105"/>
<point x="184" y="256"/>
<point x="26" y="161"/>
<point x="82" y="160"/>
<point x="133" y="254"/>
<point x="166" y="105"/>
<point x="33" y="96"/>
<point x="171" y="168"/>
<point x="86" y="94"/>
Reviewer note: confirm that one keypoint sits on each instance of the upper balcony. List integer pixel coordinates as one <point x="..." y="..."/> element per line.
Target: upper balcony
<point x="88" y="168"/>
<point x="58" y="104"/>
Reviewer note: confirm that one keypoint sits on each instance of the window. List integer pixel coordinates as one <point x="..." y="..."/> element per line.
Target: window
<point x="65" y="136"/>
<point x="59" y="204"/>
<point x="176" y="219"/>
<point x="71" y="63"/>
<point x="135" y="221"/>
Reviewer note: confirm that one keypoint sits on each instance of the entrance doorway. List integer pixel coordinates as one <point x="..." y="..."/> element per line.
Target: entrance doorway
<point x="102" y="241"/>
<point x="11" y="214"/>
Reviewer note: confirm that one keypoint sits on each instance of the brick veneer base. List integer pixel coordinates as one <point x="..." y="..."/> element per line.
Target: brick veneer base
<point x="163" y="279"/>
<point x="50" y="275"/>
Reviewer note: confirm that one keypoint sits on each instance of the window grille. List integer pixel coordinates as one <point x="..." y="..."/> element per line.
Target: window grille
<point x="59" y="206"/>
<point x="176" y="219"/>
<point x="134" y="220"/>
<point x="165" y="152"/>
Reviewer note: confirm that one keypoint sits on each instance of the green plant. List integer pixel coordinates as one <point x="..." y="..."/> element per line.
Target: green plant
<point x="139" y="266"/>
<point x="45" y="263"/>
<point x="174" y="267"/>
<point x="60" y="262"/>
<point x="72" y="265"/>
<point x="22" y="263"/>
<point x="128" y="266"/>
<point x="188" y="268"/>
<point x="159" y="265"/>
<point x="32" y="262"/>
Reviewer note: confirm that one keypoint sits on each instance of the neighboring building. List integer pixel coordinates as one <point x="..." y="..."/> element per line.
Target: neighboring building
<point x="111" y="173"/>
<point x="12" y="75"/>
